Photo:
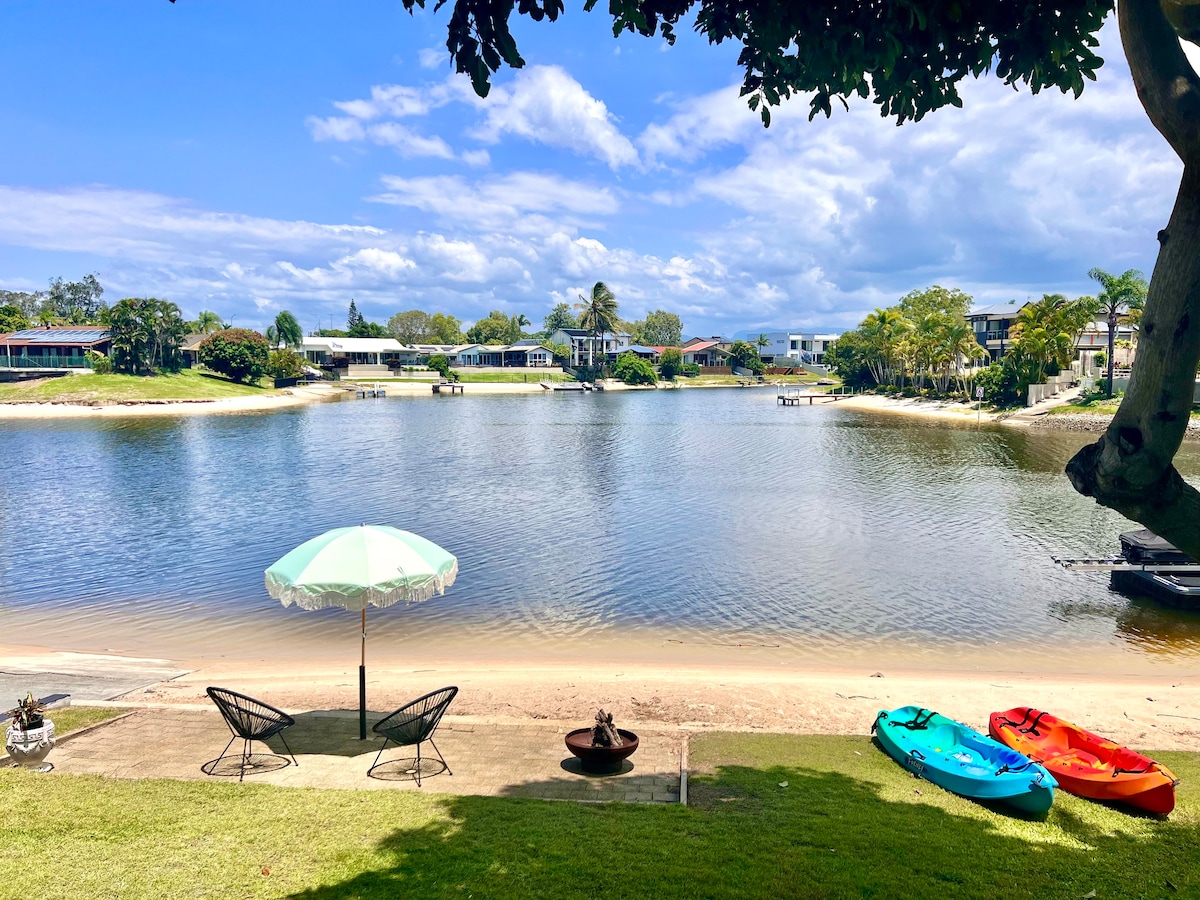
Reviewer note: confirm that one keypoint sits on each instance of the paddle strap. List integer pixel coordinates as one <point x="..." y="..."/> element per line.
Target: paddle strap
<point x="1117" y="770"/>
<point x="1007" y="768"/>
<point x="919" y="722"/>
<point x="1032" y="728"/>
<point x="1010" y="722"/>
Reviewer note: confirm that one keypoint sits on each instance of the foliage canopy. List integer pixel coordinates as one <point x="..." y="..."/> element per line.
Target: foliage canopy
<point x="237" y="353"/>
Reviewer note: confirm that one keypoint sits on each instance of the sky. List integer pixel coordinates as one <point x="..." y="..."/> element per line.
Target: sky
<point x="248" y="158"/>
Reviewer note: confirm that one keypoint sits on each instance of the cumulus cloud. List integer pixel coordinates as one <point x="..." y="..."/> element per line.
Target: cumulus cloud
<point x="546" y="105"/>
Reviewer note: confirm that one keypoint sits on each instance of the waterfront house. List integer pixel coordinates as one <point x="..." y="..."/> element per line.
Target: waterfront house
<point x="796" y="347"/>
<point x="607" y="346"/>
<point x="53" y="347"/>
<point x="528" y="353"/>
<point x="365" y="357"/>
<point x="991" y="325"/>
<point x="705" y="354"/>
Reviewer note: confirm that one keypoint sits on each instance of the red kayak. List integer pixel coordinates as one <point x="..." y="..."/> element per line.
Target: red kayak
<point x="1084" y="763"/>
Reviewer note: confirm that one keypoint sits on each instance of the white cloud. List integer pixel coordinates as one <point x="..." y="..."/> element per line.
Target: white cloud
<point x="335" y="128"/>
<point x="502" y="202"/>
<point x="545" y="104"/>
<point x="433" y="57"/>
<point x="408" y="143"/>
<point x="392" y="100"/>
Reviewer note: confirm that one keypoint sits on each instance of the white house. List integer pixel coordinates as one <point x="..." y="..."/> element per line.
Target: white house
<point x="797" y="346"/>
<point x="366" y="356"/>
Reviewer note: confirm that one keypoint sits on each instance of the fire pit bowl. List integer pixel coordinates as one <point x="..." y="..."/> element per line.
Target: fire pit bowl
<point x="600" y="760"/>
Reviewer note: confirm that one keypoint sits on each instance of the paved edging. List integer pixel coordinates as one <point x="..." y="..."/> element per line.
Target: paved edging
<point x="86" y="729"/>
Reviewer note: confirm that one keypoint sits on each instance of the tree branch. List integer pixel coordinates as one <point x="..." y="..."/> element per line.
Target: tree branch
<point x="1130" y="469"/>
<point x="1166" y="83"/>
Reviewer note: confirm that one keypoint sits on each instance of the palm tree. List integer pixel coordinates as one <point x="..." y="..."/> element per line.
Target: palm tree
<point x="208" y="322"/>
<point x="1123" y="295"/>
<point x="288" y="330"/>
<point x="883" y="330"/>
<point x="598" y="314"/>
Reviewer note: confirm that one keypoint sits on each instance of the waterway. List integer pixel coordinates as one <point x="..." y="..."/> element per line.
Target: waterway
<point x="688" y="521"/>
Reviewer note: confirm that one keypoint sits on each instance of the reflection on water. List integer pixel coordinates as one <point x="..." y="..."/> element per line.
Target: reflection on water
<point x="696" y="516"/>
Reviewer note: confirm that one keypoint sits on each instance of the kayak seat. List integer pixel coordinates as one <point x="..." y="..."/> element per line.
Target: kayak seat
<point x="1079" y="756"/>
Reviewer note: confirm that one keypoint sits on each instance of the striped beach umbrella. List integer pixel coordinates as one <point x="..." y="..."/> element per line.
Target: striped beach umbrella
<point x="357" y="567"/>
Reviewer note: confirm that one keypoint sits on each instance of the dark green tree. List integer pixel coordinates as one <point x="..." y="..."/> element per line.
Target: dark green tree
<point x="237" y="353"/>
<point x="353" y="316"/>
<point x="670" y="363"/>
<point x="744" y="355"/>
<point x="145" y="335"/>
<point x="632" y="369"/>
<point x="660" y="329"/>
<point x="560" y="317"/>
<point x="848" y="357"/>
<point x="495" y="328"/>
<point x="12" y="319"/>
<point x="365" y="329"/>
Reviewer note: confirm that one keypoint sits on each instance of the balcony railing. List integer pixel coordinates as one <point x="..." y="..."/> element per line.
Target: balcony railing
<point x="44" y="362"/>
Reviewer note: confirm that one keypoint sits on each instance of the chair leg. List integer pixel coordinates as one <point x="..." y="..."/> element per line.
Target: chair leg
<point x="226" y="750"/>
<point x="377" y="755"/>
<point x="418" y="763"/>
<point x="245" y="759"/>
<point x="288" y="749"/>
<point x="439" y="753"/>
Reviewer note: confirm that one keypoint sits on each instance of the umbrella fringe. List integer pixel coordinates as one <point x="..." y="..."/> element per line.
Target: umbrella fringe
<point x="412" y="593"/>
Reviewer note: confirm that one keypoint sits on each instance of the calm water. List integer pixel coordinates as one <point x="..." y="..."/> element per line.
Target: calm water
<point x="687" y="517"/>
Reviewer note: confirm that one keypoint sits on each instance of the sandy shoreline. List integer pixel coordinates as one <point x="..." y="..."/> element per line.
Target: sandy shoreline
<point x="1149" y="711"/>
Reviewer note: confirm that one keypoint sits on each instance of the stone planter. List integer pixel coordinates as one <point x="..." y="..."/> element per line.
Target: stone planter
<point x="30" y="748"/>
<point x="600" y="760"/>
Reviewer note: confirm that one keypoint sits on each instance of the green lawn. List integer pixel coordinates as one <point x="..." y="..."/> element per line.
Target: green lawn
<point x="848" y="823"/>
<point x="189" y="384"/>
<point x="510" y="377"/>
<point x="70" y="718"/>
<point x="702" y="380"/>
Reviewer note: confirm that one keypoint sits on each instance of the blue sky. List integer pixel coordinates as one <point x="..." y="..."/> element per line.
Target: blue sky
<point x="253" y="157"/>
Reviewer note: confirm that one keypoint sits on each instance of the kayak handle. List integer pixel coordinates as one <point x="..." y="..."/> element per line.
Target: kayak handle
<point x="917" y="753"/>
<point x="1005" y="768"/>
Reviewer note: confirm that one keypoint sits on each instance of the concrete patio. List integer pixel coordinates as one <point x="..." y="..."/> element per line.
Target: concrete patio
<point x="488" y="758"/>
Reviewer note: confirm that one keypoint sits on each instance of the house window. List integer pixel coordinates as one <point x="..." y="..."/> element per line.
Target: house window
<point x="794" y="345"/>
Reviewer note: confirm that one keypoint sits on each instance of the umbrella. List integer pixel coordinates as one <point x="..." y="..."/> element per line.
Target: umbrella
<point x="375" y="565"/>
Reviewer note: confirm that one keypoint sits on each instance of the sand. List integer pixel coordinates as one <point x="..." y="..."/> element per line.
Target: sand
<point x="1150" y="711"/>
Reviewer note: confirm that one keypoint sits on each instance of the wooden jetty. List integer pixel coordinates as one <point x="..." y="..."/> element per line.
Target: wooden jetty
<point x="795" y="397"/>
<point x="364" y="392"/>
<point x="447" y="387"/>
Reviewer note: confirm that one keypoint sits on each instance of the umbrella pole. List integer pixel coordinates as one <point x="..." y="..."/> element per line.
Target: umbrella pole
<point x="362" y="682"/>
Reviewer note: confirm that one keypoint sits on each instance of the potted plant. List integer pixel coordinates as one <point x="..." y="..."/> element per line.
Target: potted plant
<point x="30" y="736"/>
<point x="603" y="747"/>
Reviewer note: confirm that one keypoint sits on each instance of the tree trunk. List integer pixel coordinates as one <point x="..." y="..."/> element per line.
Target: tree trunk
<point x="1112" y="327"/>
<point x="1129" y="469"/>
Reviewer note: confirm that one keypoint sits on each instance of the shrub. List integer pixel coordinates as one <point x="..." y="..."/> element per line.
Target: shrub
<point x="1101" y="359"/>
<point x="285" y="364"/>
<point x="101" y="364"/>
<point x="632" y="369"/>
<point x="671" y="363"/>
<point x="691" y="370"/>
<point x="908" y="391"/>
<point x="237" y="353"/>
<point x="999" y="383"/>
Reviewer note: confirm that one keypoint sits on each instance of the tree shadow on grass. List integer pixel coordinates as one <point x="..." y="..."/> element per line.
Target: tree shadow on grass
<point x="746" y="834"/>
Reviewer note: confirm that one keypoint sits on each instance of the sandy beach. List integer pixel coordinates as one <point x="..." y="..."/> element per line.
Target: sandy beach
<point x="1148" y="710"/>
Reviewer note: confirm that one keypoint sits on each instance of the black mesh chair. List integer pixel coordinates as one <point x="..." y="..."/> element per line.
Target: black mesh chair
<point x="250" y="720"/>
<point x="413" y="724"/>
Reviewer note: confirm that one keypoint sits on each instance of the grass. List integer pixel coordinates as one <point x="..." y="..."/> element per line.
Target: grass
<point x="71" y="718"/>
<point x="189" y="384"/>
<point x="848" y="823"/>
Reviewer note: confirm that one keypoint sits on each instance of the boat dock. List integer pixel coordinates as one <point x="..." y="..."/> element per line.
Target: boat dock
<point x="796" y="397"/>
<point x="447" y="387"/>
<point x="363" y="393"/>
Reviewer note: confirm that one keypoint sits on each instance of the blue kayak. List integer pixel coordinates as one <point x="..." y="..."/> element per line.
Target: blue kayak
<point x="962" y="760"/>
